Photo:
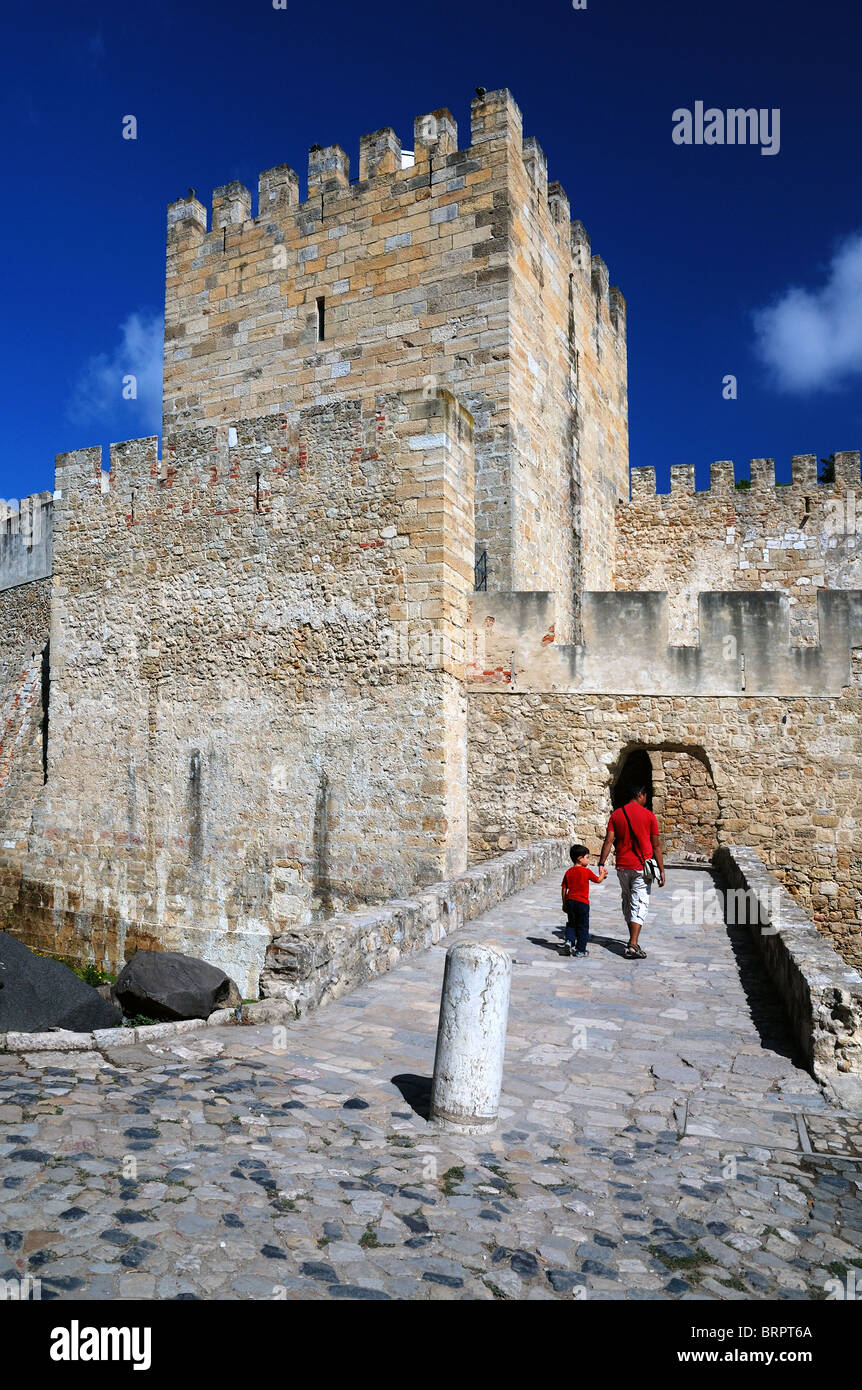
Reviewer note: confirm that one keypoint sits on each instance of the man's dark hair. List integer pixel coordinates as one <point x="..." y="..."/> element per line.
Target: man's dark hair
<point x="637" y="791"/>
<point x="577" y="851"/>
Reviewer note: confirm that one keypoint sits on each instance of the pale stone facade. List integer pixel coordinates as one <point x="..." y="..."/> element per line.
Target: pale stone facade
<point x="790" y="790"/>
<point x="463" y="271"/>
<point x="228" y="713"/>
<point x="271" y="692"/>
<point x="797" y="538"/>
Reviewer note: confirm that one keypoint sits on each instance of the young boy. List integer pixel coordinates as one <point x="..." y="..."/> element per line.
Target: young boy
<point x="576" y="900"/>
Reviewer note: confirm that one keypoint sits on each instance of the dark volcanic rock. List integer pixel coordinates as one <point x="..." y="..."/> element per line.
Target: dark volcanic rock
<point x="38" y="994"/>
<point x="167" y="985"/>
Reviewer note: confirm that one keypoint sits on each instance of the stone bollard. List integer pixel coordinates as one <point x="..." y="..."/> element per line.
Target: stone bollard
<point x="471" y="1038"/>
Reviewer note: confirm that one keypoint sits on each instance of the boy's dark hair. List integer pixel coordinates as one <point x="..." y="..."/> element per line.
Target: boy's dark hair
<point x="576" y="851"/>
<point x="636" y="791"/>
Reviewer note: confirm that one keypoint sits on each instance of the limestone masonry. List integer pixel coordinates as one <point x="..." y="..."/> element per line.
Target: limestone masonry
<point x="384" y="607"/>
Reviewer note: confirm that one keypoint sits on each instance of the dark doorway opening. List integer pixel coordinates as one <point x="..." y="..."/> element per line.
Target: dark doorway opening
<point x="636" y="771"/>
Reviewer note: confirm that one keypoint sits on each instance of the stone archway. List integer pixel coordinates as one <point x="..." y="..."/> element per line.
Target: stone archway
<point x="682" y="793"/>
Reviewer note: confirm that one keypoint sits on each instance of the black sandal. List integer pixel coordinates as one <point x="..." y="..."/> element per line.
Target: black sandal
<point x="639" y="954"/>
<point x="631" y="953"/>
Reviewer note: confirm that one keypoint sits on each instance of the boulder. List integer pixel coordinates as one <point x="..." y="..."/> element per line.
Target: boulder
<point x="167" y="985"/>
<point x="38" y="994"/>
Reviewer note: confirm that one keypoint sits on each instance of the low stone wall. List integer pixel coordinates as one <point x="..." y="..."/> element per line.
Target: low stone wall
<point x="315" y="964"/>
<point x="103" y="1039"/>
<point x="822" y="994"/>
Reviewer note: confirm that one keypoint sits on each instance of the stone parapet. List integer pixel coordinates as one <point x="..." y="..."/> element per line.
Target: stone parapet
<point x="744" y="645"/>
<point x="794" y="538"/>
<point x="310" y="967"/>
<point x="26" y="532"/>
<point x="822" y="994"/>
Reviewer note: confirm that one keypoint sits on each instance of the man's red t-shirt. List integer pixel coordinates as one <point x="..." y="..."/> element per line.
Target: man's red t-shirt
<point x="645" y="826"/>
<point x="576" y="882"/>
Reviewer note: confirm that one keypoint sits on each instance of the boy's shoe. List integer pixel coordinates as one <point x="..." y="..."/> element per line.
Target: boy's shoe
<point x="567" y="950"/>
<point x="582" y="953"/>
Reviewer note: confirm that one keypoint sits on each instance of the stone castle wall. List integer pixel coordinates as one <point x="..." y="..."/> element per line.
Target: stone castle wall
<point x="686" y="804"/>
<point x="744" y="645"/>
<point x="25" y="619"/>
<point x="461" y="271"/>
<point x="235" y="744"/>
<point x="266" y="655"/>
<point x="793" y="539"/>
<point x="787" y="774"/>
<point x="26" y="532"/>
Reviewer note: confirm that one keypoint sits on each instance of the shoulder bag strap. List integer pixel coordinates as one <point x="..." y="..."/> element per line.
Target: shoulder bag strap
<point x="635" y="846"/>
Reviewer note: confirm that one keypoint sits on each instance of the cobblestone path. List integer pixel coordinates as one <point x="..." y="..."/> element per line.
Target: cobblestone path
<point x="656" y="1140"/>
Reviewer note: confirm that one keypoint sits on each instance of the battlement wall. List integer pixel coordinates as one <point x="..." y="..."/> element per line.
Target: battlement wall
<point x="744" y="646"/>
<point x="228" y="721"/>
<point x="26" y="532"/>
<point x="461" y="271"/>
<point x="796" y="538"/>
<point x="723" y="482"/>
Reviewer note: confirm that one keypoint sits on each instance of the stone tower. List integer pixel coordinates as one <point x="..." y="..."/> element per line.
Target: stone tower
<point x="436" y="268"/>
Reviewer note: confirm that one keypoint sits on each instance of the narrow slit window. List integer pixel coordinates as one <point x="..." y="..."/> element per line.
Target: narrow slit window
<point x="257" y="492"/>
<point x="321" y="320"/>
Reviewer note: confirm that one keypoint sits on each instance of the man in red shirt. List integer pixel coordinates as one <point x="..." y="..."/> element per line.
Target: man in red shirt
<point x="633" y="833"/>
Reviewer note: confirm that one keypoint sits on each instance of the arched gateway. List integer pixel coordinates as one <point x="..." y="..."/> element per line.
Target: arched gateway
<point x="681" y="792"/>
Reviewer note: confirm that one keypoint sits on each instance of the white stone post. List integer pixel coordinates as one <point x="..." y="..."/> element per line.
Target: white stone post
<point x="471" y="1038"/>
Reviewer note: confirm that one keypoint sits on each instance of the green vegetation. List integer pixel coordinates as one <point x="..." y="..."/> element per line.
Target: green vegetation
<point x="450" y="1180"/>
<point x="495" y="1289"/>
<point x="688" y="1263"/>
<point x="508" y="1189"/>
<point x="90" y="974"/>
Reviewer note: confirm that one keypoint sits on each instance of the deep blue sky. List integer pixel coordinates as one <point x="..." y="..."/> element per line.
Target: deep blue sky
<point x="698" y="238"/>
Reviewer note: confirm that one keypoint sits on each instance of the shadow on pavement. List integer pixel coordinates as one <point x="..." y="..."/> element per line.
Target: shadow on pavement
<point x="416" y="1090"/>
<point x="556" y="946"/>
<point x="764" y="1002"/>
<point x="765" y="1006"/>
<point x="610" y="943"/>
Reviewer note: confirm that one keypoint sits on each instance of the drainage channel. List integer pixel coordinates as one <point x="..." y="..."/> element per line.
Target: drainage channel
<point x="817" y="1136"/>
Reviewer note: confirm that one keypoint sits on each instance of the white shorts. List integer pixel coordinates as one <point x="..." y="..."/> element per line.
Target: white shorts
<point x="635" y="894"/>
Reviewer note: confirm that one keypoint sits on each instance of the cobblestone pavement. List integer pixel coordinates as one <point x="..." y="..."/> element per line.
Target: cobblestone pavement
<point x="653" y="1141"/>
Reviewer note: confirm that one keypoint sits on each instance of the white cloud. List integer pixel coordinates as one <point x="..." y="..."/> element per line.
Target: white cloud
<point x="812" y="339"/>
<point x="98" y="392"/>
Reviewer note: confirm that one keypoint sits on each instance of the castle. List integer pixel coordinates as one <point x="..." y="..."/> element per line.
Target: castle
<point x="386" y="604"/>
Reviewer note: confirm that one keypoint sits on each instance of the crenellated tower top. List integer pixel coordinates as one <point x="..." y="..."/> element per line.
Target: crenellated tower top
<point x="437" y="267"/>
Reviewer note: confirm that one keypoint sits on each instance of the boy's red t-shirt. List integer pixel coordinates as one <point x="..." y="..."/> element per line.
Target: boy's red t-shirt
<point x="645" y="826"/>
<point x="576" y="882"/>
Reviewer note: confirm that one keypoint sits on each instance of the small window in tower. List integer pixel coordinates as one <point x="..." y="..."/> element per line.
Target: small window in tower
<point x="321" y="320"/>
